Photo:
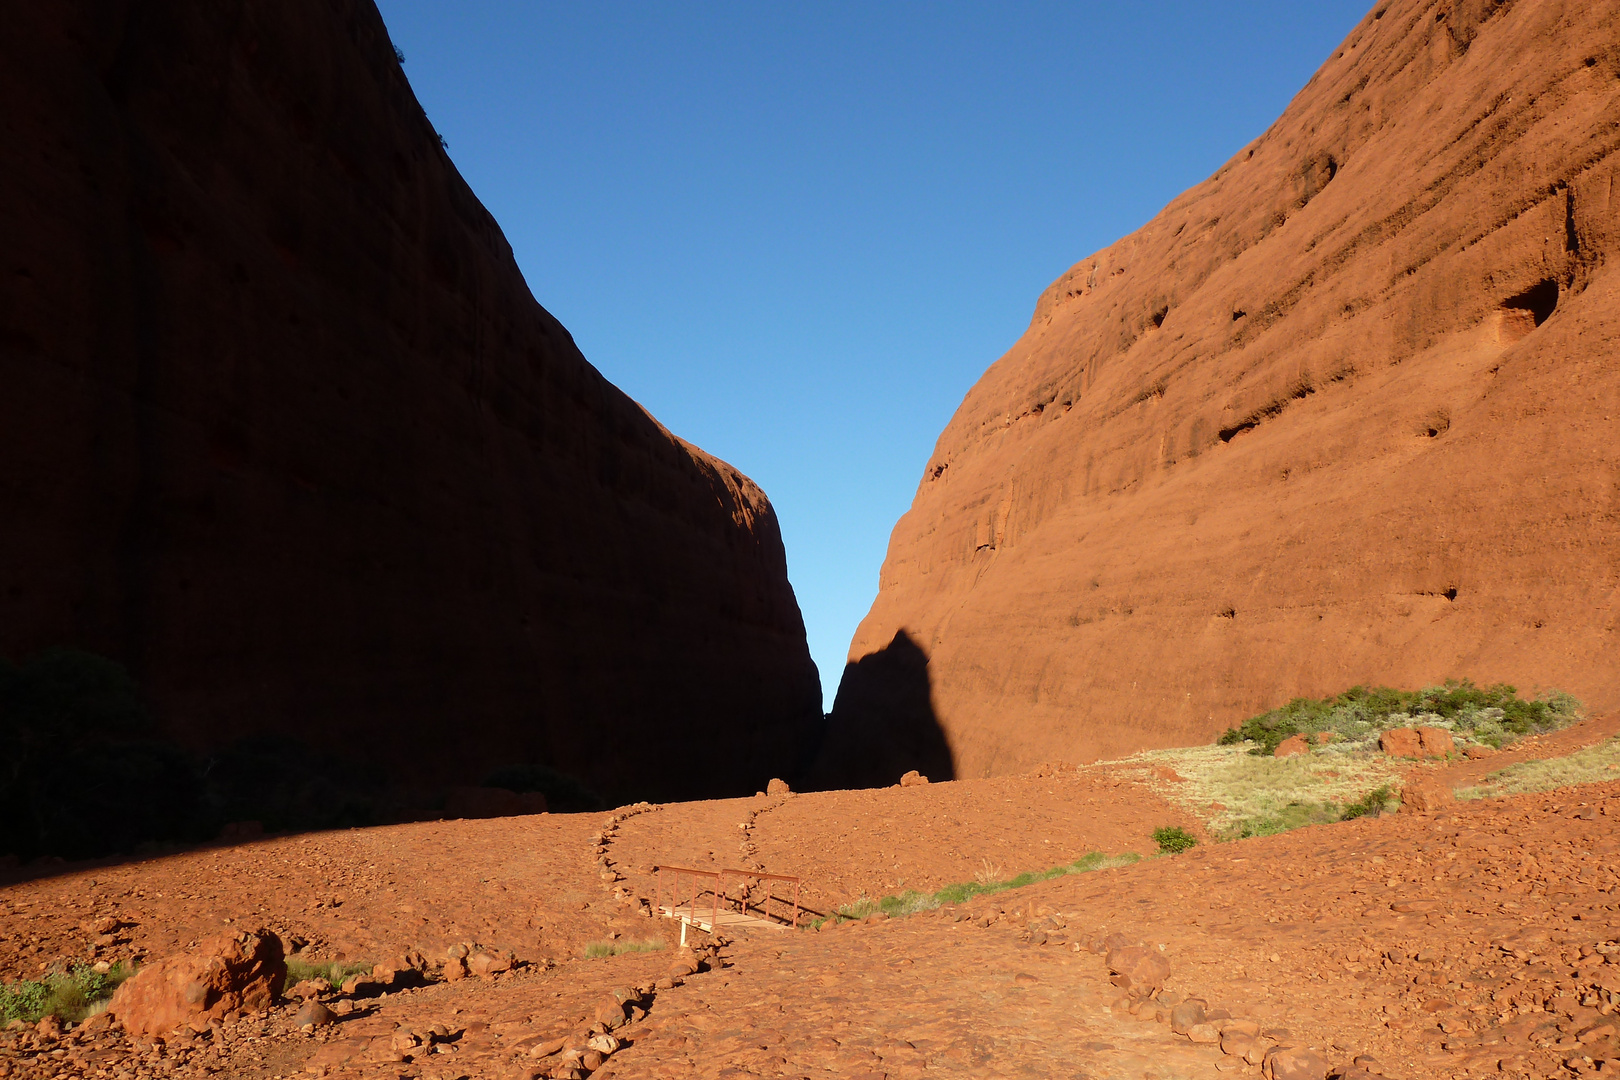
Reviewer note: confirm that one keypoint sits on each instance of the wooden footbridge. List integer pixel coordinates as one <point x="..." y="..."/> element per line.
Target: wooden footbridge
<point x="699" y="898"/>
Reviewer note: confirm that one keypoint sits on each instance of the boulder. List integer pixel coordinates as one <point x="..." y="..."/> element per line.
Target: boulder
<point x="778" y="787"/>
<point x="1289" y="1063"/>
<point x="231" y="974"/>
<point x="310" y="988"/>
<point x="1236" y="1043"/>
<point x="1186" y="1016"/>
<point x="1426" y="796"/>
<point x="913" y="778"/>
<point x="1138" y="970"/>
<point x="313" y="1014"/>
<point x="1436" y="742"/>
<point x="1421" y="742"/>
<point x="486" y="963"/>
<point x="1292" y="746"/>
<point x="610" y="1013"/>
<point x="1401" y="742"/>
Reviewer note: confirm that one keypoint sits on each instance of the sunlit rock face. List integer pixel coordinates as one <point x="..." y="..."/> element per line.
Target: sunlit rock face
<point x="1343" y="413"/>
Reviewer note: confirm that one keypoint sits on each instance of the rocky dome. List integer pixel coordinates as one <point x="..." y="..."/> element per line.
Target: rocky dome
<point x="1343" y="413"/>
<point x="285" y="432"/>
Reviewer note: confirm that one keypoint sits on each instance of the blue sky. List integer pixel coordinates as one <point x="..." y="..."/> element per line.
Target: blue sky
<point x="797" y="234"/>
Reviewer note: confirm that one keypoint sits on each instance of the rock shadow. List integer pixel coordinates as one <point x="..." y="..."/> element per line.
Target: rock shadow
<point x="882" y="724"/>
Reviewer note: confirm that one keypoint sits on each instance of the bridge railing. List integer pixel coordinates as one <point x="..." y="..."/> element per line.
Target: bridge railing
<point x="684" y="881"/>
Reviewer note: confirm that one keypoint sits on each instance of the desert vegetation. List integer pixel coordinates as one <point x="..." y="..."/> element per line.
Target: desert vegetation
<point x="1240" y="795"/>
<point x="1242" y="790"/>
<point x="912" y="901"/>
<point x="69" y="995"/>
<point x="1593" y="765"/>
<point x="599" y="949"/>
<point x="1173" y="839"/>
<point x="332" y="972"/>
<point x="1491" y="716"/>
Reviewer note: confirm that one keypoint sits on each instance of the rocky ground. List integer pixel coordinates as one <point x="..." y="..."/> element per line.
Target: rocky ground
<point x="1480" y="940"/>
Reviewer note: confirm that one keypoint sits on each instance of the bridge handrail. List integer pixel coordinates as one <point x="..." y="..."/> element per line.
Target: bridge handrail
<point x="719" y="876"/>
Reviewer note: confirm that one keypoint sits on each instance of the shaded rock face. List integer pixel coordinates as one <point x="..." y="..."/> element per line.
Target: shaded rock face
<point x="883" y="724"/>
<point x="1344" y="413"/>
<point x="285" y="432"/>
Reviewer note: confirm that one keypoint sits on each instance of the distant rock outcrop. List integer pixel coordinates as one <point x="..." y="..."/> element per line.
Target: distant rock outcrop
<point x="284" y="431"/>
<point x="1344" y="413"/>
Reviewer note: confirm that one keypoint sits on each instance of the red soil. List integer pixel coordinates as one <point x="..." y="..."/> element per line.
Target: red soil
<point x="1437" y="943"/>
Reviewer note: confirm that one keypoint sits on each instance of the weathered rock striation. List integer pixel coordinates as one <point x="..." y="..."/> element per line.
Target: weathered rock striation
<point x="1345" y="412"/>
<point x="284" y="431"/>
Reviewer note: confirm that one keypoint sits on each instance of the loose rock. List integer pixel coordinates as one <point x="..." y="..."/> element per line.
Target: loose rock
<point x="314" y="1014"/>
<point x="1292" y="747"/>
<point x="231" y="974"/>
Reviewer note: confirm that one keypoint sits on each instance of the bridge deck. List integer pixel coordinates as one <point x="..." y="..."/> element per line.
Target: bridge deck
<point x="704" y="918"/>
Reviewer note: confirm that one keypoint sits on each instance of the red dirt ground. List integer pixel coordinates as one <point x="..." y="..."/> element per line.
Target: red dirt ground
<point x="1457" y="943"/>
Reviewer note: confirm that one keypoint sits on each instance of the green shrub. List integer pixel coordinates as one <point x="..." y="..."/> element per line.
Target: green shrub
<point x="1493" y="715"/>
<point x="1173" y="839"/>
<point x="287" y="785"/>
<point x="69" y="996"/>
<point x="1375" y="802"/>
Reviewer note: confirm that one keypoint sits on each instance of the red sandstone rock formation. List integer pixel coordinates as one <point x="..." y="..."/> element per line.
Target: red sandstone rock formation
<point x="283" y="429"/>
<point x="1343" y="413"/>
<point x="224" y="977"/>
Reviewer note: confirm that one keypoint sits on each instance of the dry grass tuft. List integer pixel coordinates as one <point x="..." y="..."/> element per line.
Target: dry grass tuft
<point x="1594" y="765"/>
<point x="598" y="949"/>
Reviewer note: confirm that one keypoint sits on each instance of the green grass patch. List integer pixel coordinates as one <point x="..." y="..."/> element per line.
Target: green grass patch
<point x="1490" y="715"/>
<point x="1173" y="839"/>
<point x="1593" y="765"/>
<point x="912" y="901"/>
<point x="332" y="972"/>
<point x="1239" y="795"/>
<point x="69" y="997"/>
<point x="596" y="950"/>
<point x="1292" y="816"/>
